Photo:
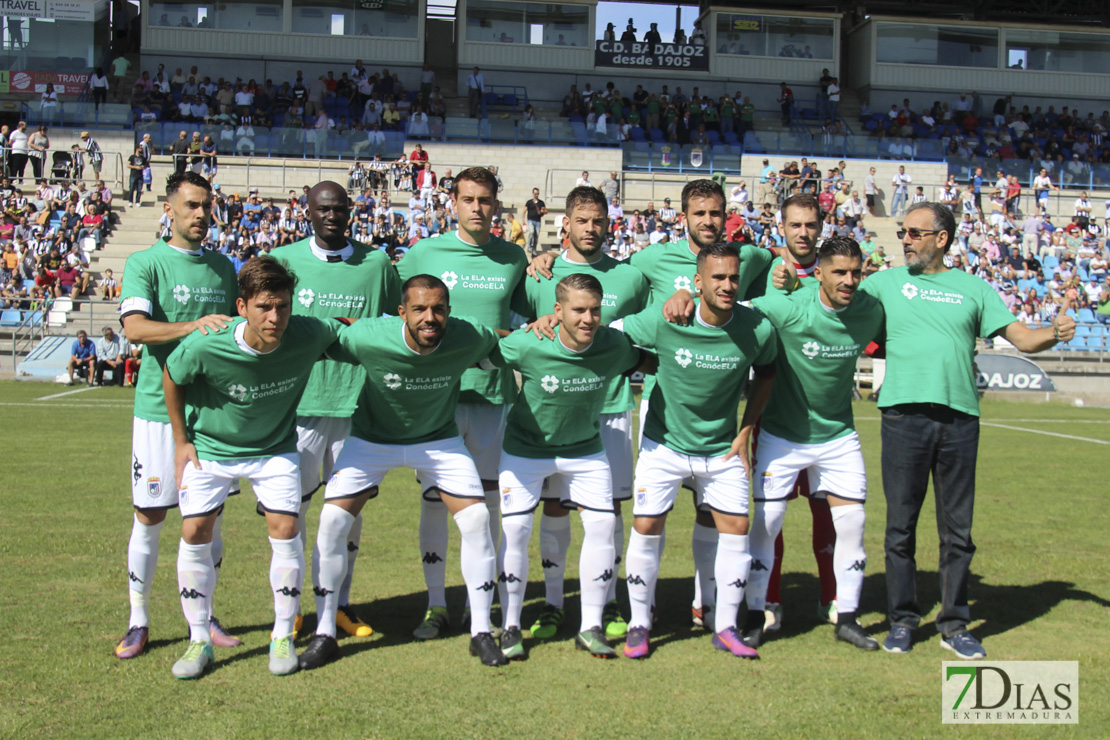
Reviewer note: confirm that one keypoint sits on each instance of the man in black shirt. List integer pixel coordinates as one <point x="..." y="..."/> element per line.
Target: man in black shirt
<point x="178" y="149"/>
<point x="534" y="213"/>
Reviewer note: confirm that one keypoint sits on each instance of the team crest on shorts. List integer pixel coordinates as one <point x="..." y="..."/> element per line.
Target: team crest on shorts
<point x="154" y="487"/>
<point x="506" y="497"/>
<point x="641" y="496"/>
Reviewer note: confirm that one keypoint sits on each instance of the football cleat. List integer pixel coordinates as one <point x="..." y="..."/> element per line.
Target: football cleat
<point x="512" y="644"/>
<point x="349" y="622"/>
<point x="133" y="643"/>
<point x="436" y="623"/>
<point x="701" y="616"/>
<point x="772" y="617"/>
<point x="827" y="612"/>
<point x="548" y="622"/>
<point x="322" y="650"/>
<point x="283" y="657"/>
<point x="613" y="623"/>
<point x="752" y="635"/>
<point x="220" y="636"/>
<point x="729" y="640"/>
<point x="853" y="634"/>
<point x="593" y="641"/>
<point x="637" y="645"/>
<point x="198" y="656"/>
<point x="486" y="648"/>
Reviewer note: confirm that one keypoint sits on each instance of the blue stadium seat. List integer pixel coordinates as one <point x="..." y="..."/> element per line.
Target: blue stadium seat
<point x="713" y="136"/>
<point x="576" y="119"/>
<point x="10" y="317"/>
<point x="656" y="135"/>
<point x="36" y="318"/>
<point x="731" y="137"/>
<point x="508" y="99"/>
<point x="28" y="284"/>
<point x="1085" y="316"/>
<point x="1050" y="262"/>
<point x="491" y="98"/>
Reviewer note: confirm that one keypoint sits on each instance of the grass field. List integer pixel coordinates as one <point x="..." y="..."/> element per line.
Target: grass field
<point x="1040" y="591"/>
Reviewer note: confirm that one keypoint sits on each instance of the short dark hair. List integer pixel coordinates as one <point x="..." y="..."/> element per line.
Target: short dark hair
<point x="177" y="179"/>
<point x="585" y="195"/>
<point x="943" y="220"/>
<point x="480" y="175"/>
<point x="804" y="201"/>
<point x="424" y="281"/>
<point x="719" y="249"/>
<point x="265" y="274"/>
<point x="836" y="246"/>
<point x="578" y="281"/>
<point x="701" y="189"/>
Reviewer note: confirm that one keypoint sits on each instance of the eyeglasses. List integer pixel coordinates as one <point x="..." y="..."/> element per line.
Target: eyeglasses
<point x="915" y="234"/>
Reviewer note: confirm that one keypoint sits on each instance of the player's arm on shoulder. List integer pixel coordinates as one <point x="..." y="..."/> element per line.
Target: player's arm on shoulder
<point x="679" y="307"/>
<point x="142" y="329"/>
<point x="541" y="266"/>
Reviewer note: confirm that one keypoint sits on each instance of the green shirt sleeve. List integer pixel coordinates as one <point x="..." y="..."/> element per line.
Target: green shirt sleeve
<point x="776" y="307"/>
<point x="995" y="316"/>
<point x="641" y="327"/>
<point x="184" y="363"/>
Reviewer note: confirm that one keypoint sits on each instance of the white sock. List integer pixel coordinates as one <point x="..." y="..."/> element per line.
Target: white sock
<point x="642" y="565"/>
<point x="478" y="562"/>
<point x="704" y="545"/>
<point x="142" y="560"/>
<point x="217" y="557"/>
<point x="433" y="550"/>
<point x="195" y="576"/>
<point x="329" y="564"/>
<point x="286" y="580"/>
<point x="618" y="548"/>
<point x="595" y="565"/>
<point x="493" y="506"/>
<point x="849" y="558"/>
<point x="554" y="545"/>
<point x="732" y="566"/>
<point x="354" y="537"/>
<point x="513" y="578"/>
<point x="766" y="521"/>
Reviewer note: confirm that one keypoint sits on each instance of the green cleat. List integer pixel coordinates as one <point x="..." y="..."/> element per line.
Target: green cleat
<point x="195" y="661"/>
<point x="435" y="624"/>
<point x="283" y="657"/>
<point x="512" y="644"/>
<point x="613" y="623"/>
<point x="593" y="641"/>
<point x="548" y="622"/>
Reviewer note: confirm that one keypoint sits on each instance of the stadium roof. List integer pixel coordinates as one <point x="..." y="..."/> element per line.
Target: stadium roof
<point x="1044" y="12"/>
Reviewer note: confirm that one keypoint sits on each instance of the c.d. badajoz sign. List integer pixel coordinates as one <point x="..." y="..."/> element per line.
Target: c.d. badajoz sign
<point x="644" y="55"/>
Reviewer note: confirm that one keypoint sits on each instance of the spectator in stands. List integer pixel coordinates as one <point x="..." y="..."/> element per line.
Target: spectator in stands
<point x="475" y="88"/>
<point x="82" y="354"/>
<point x="136" y="163"/>
<point x="109" y="356"/>
<point x="107" y="287"/>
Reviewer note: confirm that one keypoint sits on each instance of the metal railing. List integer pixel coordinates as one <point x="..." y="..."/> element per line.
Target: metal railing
<point x="30" y="329"/>
<point x="111" y="168"/>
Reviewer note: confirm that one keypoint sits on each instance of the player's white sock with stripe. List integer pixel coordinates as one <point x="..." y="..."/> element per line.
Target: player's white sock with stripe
<point x="731" y="566"/>
<point x="618" y="548"/>
<point x="354" y="537"/>
<point x="217" y="556"/>
<point x="595" y="565"/>
<point x="513" y="578"/>
<point x="479" y="564"/>
<point x="286" y="580"/>
<point x="766" y="525"/>
<point x="195" y="576"/>
<point x="642" y="565"/>
<point x="142" y="560"/>
<point x="704" y="546"/>
<point x="849" y="558"/>
<point x="329" y="564"/>
<point x="554" y="545"/>
<point x="433" y="549"/>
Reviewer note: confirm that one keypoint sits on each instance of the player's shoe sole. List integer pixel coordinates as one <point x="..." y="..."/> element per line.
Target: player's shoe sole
<point x="322" y="650"/>
<point x="133" y="643"/>
<point x="593" y="641"/>
<point x="349" y="622"/>
<point x="487" y="650"/>
<point x="729" y="641"/>
<point x="638" y="644"/>
<point x="198" y="656"/>
<point x="220" y="636"/>
<point x="283" y="657"/>
<point x="854" y="634"/>
<point x="613" y="622"/>
<point x="512" y="644"/>
<point x="548" y="622"/>
<point x="772" y="617"/>
<point x="436" y="623"/>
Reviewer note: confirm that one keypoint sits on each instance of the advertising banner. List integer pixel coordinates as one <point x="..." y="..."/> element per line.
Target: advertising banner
<point x="644" y="55"/>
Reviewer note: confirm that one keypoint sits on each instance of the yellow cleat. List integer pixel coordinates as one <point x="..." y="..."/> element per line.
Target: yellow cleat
<point x="349" y="622"/>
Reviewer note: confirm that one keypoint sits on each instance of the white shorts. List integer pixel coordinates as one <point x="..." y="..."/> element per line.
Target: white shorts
<point x="440" y="465"/>
<point x="482" y="427"/>
<point x="616" y="436"/>
<point x="690" y="482"/>
<point x="319" y="441"/>
<point x="660" y="471"/>
<point x="585" y="482"/>
<point x="275" y="482"/>
<point x="834" y="467"/>
<point x="153" y="485"/>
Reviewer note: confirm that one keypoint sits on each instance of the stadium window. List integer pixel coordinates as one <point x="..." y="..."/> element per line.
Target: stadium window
<point x="775" y="36"/>
<point x="260" y="15"/>
<point x="496" y="21"/>
<point x="1055" y="51"/>
<point x="950" y="46"/>
<point x="381" y="18"/>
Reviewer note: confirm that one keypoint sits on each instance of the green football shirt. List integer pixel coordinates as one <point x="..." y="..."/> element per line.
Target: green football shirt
<point x="932" y="321"/>
<point x="361" y="286"/>
<point x="562" y="393"/>
<point x="811" y="401"/>
<point x="410" y="398"/>
<point x="625" y="292"/>
<point x="170" y="285"/>
<point x="240" y="403"/>
<point x="482" y="281"/>
<point x="702" y="369"/>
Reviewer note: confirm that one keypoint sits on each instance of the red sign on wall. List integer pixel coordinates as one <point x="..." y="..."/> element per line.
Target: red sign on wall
<point x="65" y="83"/>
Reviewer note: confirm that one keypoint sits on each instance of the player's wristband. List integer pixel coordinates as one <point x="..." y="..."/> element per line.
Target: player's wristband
<point x="1056" y="332"/>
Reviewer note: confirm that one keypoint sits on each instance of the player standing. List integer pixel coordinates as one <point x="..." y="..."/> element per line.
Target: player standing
<point x="481" y="271"/>
<point x="553" y="433"/>
<point x="232" y="401"/>
<point x="169" y="290"/>
<point x="406" y="418"/>
<point x="807" y="426"/>
<point x="336" y="278"/>
<point x="625" y="292"/>
<point x="691" y="431"/>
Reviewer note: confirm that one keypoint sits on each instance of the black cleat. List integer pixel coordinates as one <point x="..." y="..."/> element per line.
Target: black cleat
<point x="853" y="634"/>
<point x="488" y="651"/>
<point x="322" y="650"/>
<point x="752" y="634"/>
